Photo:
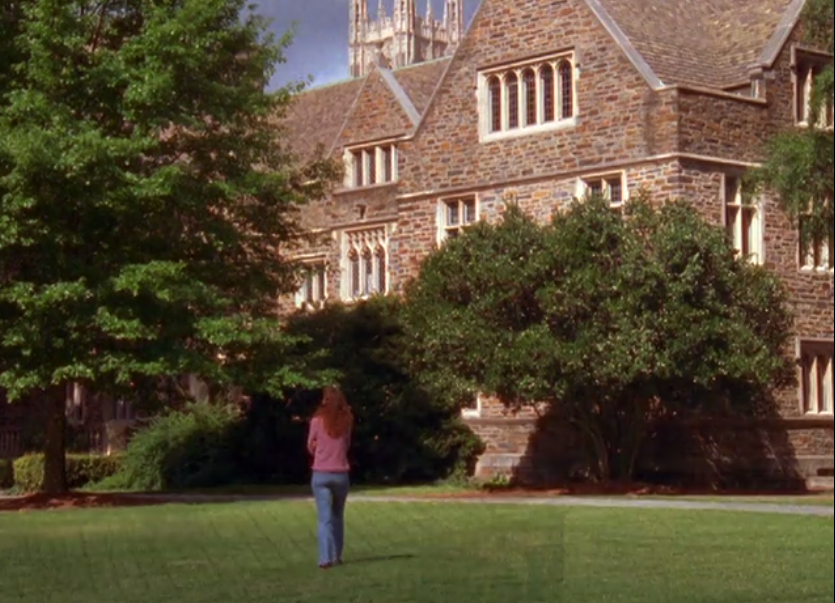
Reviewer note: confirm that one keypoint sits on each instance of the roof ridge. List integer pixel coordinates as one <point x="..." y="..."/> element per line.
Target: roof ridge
<point x="400" y="94"/>
<point x="622" y="40"/>
<point x="348" y="113"/>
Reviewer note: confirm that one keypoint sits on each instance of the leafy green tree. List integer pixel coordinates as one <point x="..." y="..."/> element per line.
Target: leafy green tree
<point x="799" y="166"/>
<point x="402" y="433"/>
<point x="146" y="200"/>
<point x="608" y="322"/>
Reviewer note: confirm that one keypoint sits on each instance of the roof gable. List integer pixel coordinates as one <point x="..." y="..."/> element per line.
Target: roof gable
<point x="382" y="110"/>
<point x="420" y="81"/>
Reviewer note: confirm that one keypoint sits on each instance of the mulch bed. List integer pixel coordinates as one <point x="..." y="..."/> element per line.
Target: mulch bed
<point x="73" y="500"/>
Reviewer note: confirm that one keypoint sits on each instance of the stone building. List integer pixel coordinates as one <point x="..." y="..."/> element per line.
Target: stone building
<point x="542" y="101"/>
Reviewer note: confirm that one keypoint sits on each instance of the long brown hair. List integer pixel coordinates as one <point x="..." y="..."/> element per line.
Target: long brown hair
<point x="335" y="413"/>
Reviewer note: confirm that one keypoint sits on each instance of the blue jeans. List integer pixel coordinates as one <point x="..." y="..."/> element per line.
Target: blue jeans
<point x="330" y="490"/>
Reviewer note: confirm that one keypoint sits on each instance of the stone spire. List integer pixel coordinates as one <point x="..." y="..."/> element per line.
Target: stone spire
<point x="454" y="21"/>
<point x="401" y="34"/>
<point x="357" y="26"/>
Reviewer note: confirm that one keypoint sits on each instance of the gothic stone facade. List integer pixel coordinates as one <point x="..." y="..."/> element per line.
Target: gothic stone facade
<point x="542" y="101"/>
<point x="404" y="38"/>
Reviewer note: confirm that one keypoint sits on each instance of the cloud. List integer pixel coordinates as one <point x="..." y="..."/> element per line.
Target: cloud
<point x="320" y="46"/>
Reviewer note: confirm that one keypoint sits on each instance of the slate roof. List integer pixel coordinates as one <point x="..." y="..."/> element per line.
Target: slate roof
<point x="419" y="81"/>
<point x="317" y="115"/>
<point x="709" y="43"/>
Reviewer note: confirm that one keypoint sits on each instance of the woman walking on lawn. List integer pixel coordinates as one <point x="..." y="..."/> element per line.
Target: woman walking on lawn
<point x="328" y="442"/>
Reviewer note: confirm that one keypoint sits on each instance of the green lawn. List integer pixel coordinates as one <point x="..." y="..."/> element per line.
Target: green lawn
<point x="253" y="552"/>
<point x="452" y="490"/>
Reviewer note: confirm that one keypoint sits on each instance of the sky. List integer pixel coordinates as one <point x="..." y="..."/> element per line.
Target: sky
<point x="320" y="46"/>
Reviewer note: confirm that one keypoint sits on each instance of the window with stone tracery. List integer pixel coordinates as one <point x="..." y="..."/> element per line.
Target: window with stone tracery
<point x="816" y="377"/>
<point x="454" y="215"/>
<point x="365" y="263"/>
<point x="743" y="220"/>
<point x="528" y="97"/>
<point x="313" y="289"/>
<point x="611" y="187"/>
<point x="815" y="252"/>
<point x="808" y="69"/>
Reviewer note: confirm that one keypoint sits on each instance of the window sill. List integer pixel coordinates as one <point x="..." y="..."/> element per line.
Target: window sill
<point x="817" y="271"/>
<point x="814" y="416"/>
<point x="365" y="187"/>
<point x="564" y="124"/>
<point x="355" y="300"/>
<point x="309" y="306"/>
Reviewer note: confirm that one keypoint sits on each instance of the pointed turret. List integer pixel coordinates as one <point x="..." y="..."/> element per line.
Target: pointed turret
<point x="358" y="22"/>
<point x="454" y="21"/>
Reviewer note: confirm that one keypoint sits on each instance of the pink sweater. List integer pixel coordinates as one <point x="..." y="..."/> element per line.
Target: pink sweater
<point x="329" y="454"/>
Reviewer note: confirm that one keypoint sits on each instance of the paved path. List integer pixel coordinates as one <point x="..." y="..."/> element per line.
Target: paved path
<point x="557" y="501"/>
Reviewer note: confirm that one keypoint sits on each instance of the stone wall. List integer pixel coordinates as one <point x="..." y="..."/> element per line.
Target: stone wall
<point x="673" y="142"/>
<point x="618" y="116"/>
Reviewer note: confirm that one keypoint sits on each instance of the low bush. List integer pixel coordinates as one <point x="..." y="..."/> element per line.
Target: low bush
<point x="82" y="470"/>
<point x="6" y="474"/>
<point x="188" y="448"/>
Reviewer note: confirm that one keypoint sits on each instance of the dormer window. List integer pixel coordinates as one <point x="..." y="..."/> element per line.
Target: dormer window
<point x="371" y="165"/>
<point x="527" y="97"/>
<point x="808" y="69"/>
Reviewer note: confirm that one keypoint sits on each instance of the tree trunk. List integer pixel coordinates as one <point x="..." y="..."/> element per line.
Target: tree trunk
<point x="55" y="469"/>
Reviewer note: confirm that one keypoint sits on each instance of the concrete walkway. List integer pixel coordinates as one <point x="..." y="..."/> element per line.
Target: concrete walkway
<point x="556" y="501"/>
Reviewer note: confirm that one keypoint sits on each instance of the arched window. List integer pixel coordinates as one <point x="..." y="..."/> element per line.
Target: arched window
<point x="367" y="271"/>
<point x="566" y="81"/>
<point x="546" y="87"/>
<point x="494" y="87"/>
<point x="380" y="261"/>
<point x="529" y="84"/>
<point x="354" y="277"/>
<point x="512" y="86"/>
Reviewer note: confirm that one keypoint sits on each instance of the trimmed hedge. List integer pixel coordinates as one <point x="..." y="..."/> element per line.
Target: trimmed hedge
<point x="6" y="474"/>
<point x="82" y="469"/>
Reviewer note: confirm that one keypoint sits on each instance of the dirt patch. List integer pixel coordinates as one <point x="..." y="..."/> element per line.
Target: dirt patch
<point x="74" y="500"/>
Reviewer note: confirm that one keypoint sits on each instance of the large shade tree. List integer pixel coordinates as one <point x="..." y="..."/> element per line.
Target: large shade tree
<point x="605" y="321"/>
<point x="146" y="200"/>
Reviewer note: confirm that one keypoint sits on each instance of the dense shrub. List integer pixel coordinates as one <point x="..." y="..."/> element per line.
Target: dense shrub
<point x="82" y="470"/>
<point x="6" y="474"/>
<point x="188" y="448"/>
<point x="614" y="321"/>
<point x="402" y="434"/>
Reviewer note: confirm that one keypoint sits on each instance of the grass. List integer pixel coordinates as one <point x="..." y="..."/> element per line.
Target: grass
<point x="444" y="489"/>
<point x="253" y="552"/>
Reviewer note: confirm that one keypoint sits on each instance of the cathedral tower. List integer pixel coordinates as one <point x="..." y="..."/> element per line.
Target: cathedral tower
<point x="403" y="38"/>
